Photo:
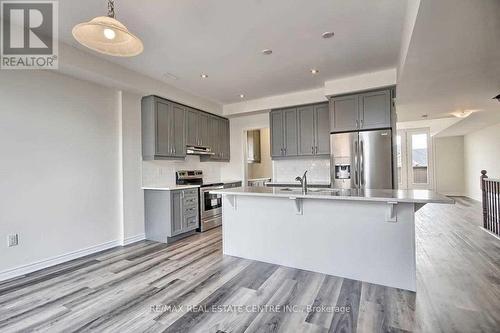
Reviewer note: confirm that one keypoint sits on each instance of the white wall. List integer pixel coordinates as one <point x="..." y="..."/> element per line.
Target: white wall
<point x="59" y="169"/>
<point x="482" y="152"/>
<point x="449" y="165"/>
<point x="131" y="165"/>
<point x="235" y="168"/>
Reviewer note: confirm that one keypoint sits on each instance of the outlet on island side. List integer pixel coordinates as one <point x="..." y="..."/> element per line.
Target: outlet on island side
<point x="13" y="240"/>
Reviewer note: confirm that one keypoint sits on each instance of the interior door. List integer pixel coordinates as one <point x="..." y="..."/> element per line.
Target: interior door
<point x="375" y="159"/>
<point x="415" y="159"/>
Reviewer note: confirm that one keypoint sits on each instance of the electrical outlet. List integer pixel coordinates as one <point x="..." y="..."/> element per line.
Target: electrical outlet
<point x="13" y="240"/>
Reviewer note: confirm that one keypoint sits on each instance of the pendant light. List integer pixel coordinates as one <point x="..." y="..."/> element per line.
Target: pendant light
<point x="107" y="35"/>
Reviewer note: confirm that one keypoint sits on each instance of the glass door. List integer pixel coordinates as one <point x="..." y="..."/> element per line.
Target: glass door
<point x="414" y="159"/>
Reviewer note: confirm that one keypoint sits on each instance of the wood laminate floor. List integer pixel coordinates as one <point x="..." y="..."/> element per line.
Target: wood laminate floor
<point x="191" y="287"/>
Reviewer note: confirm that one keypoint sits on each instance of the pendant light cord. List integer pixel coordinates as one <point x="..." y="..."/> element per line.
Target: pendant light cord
<point x="111" y="8"/>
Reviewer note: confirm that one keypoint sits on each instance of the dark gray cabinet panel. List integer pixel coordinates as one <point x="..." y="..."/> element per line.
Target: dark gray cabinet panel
<point x="277" y="133"/>
<point x="177" y="130"/>
<point x="203" y="129"/>
<point x="226" y="149"/>
<point x="163" y="122"/>
<point x="177" y="218"/>
<point x="192" y="127"/>
<point x="344" y="115"/>
<point x="322" y="129"/>
<point x="291" y="132"/>
<point x="306" y="128"/>
<point x="375" y="110"/>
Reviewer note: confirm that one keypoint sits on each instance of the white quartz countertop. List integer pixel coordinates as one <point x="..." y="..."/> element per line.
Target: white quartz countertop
<point x="169" y="187"/>
<point x="403" y="196"/>
<point x="294" y="182"/>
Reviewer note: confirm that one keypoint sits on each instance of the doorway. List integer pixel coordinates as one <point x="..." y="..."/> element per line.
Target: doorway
<point x="257" y="157"/>
<point x="414" y="159"/>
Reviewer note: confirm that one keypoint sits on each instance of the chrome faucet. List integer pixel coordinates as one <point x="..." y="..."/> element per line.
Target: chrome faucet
<point x="303" y="182"/>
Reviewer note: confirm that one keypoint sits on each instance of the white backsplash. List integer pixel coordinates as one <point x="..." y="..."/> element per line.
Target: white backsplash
<point x="318" y="169"/>
<point x="162" y="173"/>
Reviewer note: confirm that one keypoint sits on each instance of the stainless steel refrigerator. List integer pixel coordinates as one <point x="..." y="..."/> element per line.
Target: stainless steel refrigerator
<point x="362" y="160"/>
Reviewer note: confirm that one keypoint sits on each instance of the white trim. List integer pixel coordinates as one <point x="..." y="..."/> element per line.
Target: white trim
<point x="35" y="266"/>
<point x="133" y="239"/>
<point x="489" y="232"/>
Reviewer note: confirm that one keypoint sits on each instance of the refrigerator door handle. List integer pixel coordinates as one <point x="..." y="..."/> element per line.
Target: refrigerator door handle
<point x="362" y="163"/>
<point x="356" y="163"/>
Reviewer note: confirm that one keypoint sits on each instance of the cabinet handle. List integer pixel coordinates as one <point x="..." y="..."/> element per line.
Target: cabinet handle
<point x="357" y="123"/>
<point x="316" y="150"/>
<point x="361" y="123"/>
<point x="312" y="150"/>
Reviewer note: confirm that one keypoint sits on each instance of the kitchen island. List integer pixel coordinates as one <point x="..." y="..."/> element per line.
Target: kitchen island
<point x="366" y="235"/>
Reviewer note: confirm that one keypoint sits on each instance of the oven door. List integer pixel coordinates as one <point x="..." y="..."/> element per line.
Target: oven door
<point x="211" y="204"/>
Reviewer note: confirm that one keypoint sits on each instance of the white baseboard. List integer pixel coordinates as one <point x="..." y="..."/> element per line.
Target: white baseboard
<point x="489" y="232"/>
<point x="25" y="269"/>
<point x="133" y="239"/>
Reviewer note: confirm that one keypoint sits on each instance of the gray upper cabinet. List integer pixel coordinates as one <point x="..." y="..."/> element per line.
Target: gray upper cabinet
<point x="371" y="110"/>
<point x="291" y="132"/>
<point x="375" y="110"/>
<point x="344" y="113"/>
<point x="301" y="131"/>
<point x="322" y="129"/>
<point x="192" y="127"/>
<point x="163" y="129"/>
<point x="283" y="132"/>
<point x="277" y="133"/>
<point x="167" y="127"/>
<point x="306" y="143"/>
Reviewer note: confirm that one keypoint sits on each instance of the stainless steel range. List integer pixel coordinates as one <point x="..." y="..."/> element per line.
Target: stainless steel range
<point x="210" y="204"/>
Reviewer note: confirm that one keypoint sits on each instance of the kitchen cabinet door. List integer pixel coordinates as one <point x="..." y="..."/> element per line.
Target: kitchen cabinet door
<point x="203" y="131"/>
<point x="177" y="129"/>
<point x="226" y="151"/>
<point x="192" y="127"/>
<point x="344" y="113"/>
<point x="177" y="213"/>
<point x="214" y="137"/>
<point x="164" y="118"/>
<point x="277" y="133"/>
<point x="375" y="110"/>
<point x="291" y="132"/>
<point x="322" y="129"/>
<point x="306" y="135"/>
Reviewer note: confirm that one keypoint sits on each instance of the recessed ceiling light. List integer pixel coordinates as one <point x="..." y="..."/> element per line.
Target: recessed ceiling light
<point x="204" y="76"/>
<point x="463" y="113"/>
<point x="267" y="51"/>
<point x="242" y="96"/>
<point x="314" y="71"/>
<point x="328" y="34"/>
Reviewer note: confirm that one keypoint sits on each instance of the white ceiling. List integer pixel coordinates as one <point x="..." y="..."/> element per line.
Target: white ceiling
<point x="453" y="63"/>
<point x="224" y="39"/>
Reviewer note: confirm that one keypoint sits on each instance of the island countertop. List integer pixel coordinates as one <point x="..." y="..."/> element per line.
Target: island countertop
<point x="403" y="196"/>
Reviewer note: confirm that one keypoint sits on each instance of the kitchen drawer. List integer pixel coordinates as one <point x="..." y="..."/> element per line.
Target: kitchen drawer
<point x="190" y="201"/>
<point x="191" y="211"/>
<point x="191" y="222"/>
<point x="192" y="192"/>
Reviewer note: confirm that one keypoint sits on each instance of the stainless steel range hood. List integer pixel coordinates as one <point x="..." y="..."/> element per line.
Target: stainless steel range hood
<point x="198" y="150"/>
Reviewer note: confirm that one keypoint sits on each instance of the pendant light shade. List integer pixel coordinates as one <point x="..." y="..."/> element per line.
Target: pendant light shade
<point x="107" y="35"/>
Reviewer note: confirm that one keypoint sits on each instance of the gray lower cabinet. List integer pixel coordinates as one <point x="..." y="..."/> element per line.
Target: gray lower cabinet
<point x="300" y="131"/>
<point x="370" y="110"/>
<point x="170" y="213"/>
<point x="163" y="129"/>
<point x="284" y="131"/>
